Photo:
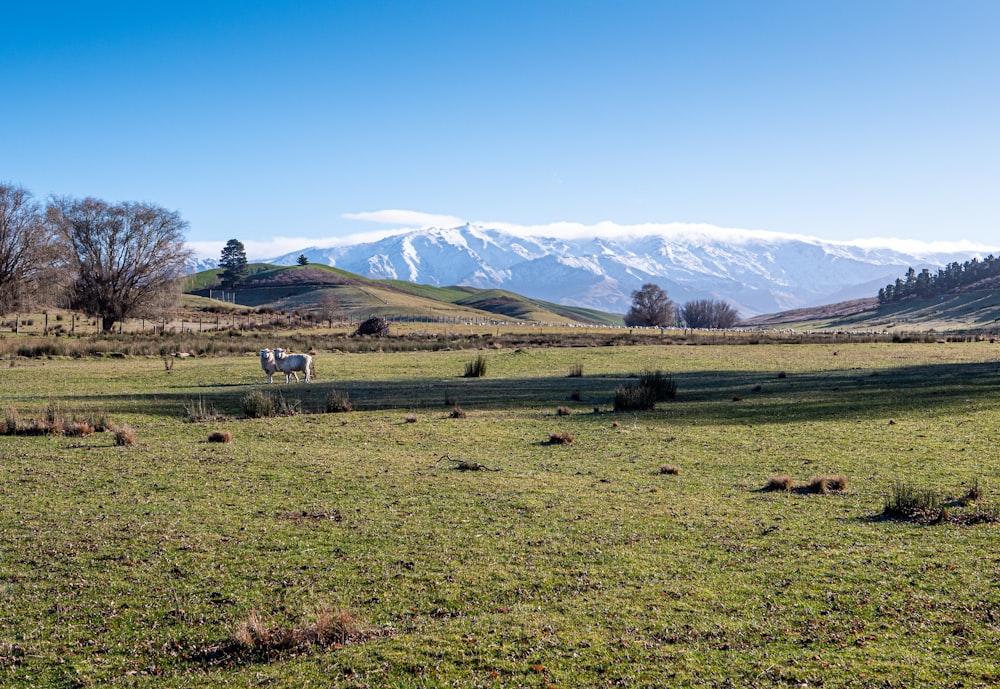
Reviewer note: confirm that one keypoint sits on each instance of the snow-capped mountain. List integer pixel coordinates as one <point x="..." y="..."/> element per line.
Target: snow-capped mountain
<point x="756" y="272"/>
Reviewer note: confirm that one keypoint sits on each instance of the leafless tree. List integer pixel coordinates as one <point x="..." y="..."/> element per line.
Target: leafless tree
<point x="651" y="307"/>
<point x="708" y="313"/>
<point x="126" y="259"/>
<point x="29" y="259"/>
<point x="329" y="307"/>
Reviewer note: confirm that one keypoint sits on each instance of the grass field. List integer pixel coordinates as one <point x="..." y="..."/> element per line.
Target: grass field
<point x="641" y="553"/>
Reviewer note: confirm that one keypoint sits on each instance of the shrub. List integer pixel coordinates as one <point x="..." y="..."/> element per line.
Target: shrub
<point x="562" y="411"/>
<point x="76" y="429"/>
<point x="376" y="325"/>
<point x="909" y="502"/>
<point x="12" y="421"/>
<point x="829" y="483"/>
<point x="220" y="437"/>
<point x="337" y="402"/>
<point x="257" y="404"/>
<point x="576" y="371"/>
<point x="663" y="385"/>
<point x="200" y="410"/>
<point x="634" y="398"/>
<point x="780" y="482"/>
<point x="476" y="368"/>
<point x="125" y="436"/>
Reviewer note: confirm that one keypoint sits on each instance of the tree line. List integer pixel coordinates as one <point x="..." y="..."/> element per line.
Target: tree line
<point x="652" y="307"/>
<point x="111" y="261"/>
<point x="953" y="276"/>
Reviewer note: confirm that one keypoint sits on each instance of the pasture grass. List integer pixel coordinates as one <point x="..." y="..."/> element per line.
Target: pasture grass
<point x="339" y="550"/>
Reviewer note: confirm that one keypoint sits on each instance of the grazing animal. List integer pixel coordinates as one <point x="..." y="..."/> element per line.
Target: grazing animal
<point x="268" y="363"/>
<point x="290" y="363"/>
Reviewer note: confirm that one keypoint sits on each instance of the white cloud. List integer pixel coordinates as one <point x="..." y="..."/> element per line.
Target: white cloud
<point x="404" y="218"/>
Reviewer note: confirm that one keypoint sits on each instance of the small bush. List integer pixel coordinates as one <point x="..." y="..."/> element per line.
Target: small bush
<point x="476" y="368"/>
<point x="337" y="402"/>
<point x="220" y="437"/>
<point x="125" y="436"/>
<point x="257" y="404"/>
<point x="562" y="411"/>
<point x="199" y="410"/>
<point x="457" y="413"/>
<point x="12" y="421"/>
<point x="576" y="371"/>
<point x="669" y="470"/>
<point x="76" y="429"/>
<point x="908" y="502"/>
<point x="634" y="398"/>
<point x="829" y="483"/>
<point x="780" y="482"/>
<point x="560" y="438"/>
<point x="663" y="385"/>
<point x="375" y="326"/>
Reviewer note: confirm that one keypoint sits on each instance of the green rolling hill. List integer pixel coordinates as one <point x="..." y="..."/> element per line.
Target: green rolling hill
<point x="314" y="288"/>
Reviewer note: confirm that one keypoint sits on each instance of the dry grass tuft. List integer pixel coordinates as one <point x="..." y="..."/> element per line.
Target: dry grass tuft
<point x="77" y="429"/>
<point x="780" y="482"/>
<point x="669" y="470"/>
<point x="125" y="436"/>
<point x="411" y="418"/>
<point x="457" y="413"/>
<point x="560" y="438"/>
<point x="562" y="411"/>
<point x="220" y="437"/>
<point x="829" y="483"/>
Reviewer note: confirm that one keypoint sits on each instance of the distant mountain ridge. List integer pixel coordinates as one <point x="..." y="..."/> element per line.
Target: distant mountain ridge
<point x="756" y="272"/>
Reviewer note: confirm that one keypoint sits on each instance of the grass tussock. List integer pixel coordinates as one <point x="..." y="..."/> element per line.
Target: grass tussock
<point x="258" y="404"/>
<point x="476" y="368"/>
<point x="411" y="418"/>
<point x="662" y="384"/>
<point x="575" y="371"/>
<point x="634" y="398"/>
<point x="562" y="411"/>
<point x="125" y="436"/>
<point x="78" y="429"/>
<point x="338" y="402"/>
<point x="828" y="483"/>
<point x="669" y="470"/>
<point x="200" y="410"/>
<point x="457" y="413"/>
<point x="780" y="483"/>
<point x="560" y="439"/>
<point x="220" y="437"/>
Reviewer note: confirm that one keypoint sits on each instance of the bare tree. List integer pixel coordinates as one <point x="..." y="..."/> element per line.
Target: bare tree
<point x="29" y="259"/>
<point x="708" y="313"/>
<point x="127" y="259"/>
<point x="650" y="306"/>
<point x="329" y="307"/>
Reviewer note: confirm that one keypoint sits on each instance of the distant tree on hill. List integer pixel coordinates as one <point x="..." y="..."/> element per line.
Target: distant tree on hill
<point x="651" y="307"/>
<point x="708" y="313"/>
<point x="329" y="308"/>
<point x="302" y="260"/>
<point x="234" y="263"/>
<point x="30" y="261"/>
<point x="953" y="277"/>
<point x="124" y="259"/>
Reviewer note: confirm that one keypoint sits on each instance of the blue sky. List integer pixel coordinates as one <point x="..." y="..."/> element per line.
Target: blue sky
<point x="309" y="120"/>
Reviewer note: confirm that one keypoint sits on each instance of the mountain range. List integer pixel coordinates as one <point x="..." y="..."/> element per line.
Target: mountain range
<point x="756" y="272"/>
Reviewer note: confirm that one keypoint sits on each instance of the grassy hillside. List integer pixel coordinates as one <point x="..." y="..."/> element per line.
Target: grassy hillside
<point x="965" y="311"/>
<point x="302" y="288"/>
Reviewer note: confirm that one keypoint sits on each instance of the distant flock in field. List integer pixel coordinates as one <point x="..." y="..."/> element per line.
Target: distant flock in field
<point x="278" y="360"/>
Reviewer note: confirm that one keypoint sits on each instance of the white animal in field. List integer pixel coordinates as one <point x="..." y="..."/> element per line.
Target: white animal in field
<point x="290" y="363"/>
<point x="268" y="363"/>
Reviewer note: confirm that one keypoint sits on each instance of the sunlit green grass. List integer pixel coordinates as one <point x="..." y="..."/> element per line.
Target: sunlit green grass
<point x="573" y="565"/>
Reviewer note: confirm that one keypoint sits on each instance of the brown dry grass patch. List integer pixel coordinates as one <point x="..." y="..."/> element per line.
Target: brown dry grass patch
<point x="220" y="437"/>
<point x="780" y="482"/>
<point x="560" y="439"/>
